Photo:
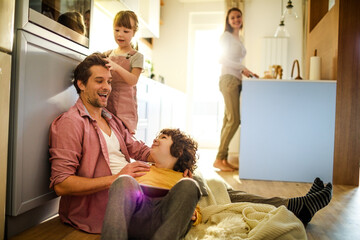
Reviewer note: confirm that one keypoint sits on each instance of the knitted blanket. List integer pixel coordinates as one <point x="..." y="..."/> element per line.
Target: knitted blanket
<point x="225" y="220"/>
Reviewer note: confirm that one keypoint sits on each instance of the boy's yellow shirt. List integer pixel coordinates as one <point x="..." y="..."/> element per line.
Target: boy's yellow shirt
<point x="160" y="177"/>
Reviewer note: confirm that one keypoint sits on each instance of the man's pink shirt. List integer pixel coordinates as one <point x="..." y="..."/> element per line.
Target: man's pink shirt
<point x="78" y="148"/>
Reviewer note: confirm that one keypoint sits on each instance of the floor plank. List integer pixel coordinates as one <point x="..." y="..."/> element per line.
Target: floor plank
<point x="54" y="229"/>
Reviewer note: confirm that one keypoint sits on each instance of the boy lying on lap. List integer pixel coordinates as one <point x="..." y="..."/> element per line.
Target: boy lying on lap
<point x="135" y="214"/>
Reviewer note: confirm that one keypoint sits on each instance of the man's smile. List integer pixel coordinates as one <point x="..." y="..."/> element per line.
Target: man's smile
<point x="103" y="96"/>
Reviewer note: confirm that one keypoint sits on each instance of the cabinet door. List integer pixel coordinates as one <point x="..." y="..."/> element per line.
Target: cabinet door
<point x="149" y="18"/>
<point x="143" y="110"/>
<point x="41" y="89"/>
<point x="173" y="108"/>
<point x="154" y="111"/>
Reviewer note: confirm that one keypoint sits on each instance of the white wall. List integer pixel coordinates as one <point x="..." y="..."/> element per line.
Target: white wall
<point x="171" y="48"/>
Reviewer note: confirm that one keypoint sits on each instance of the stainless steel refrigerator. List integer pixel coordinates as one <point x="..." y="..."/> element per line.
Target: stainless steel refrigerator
<point x="43" y="58"/>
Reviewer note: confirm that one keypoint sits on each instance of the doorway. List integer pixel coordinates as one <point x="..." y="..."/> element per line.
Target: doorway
<point x="205" y="105"/>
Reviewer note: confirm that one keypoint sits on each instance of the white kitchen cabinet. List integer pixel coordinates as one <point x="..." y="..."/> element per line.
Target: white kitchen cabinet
<point x="173" y="108"/>
<point x="159" y="106"/>
<point x="149" y="12"/>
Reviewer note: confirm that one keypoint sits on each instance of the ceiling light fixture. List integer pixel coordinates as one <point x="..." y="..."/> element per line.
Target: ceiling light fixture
<point x="289" y="11"/>
<point x="281" y="30"/>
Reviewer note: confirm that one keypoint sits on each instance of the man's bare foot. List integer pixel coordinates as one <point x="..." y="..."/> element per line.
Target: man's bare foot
<point x="221" y="164"/>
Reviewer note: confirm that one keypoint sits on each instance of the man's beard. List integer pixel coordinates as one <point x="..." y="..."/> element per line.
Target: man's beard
<point x="96" y="103"/>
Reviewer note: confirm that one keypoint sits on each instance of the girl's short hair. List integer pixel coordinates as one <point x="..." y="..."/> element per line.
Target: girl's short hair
<point x="228" y="28"/>
<point x="122" y="19"/>
<point x="184" y="148"/>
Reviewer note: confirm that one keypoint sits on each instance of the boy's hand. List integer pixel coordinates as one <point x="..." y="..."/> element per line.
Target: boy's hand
<point x="187" y="173"/>
<point x="194" y="216"/>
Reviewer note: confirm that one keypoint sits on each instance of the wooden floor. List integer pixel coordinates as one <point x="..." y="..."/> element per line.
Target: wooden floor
<point x="340" y="220"/>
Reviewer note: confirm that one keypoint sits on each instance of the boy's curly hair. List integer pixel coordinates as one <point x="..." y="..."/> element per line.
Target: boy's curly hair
<point x="184" y="148"/>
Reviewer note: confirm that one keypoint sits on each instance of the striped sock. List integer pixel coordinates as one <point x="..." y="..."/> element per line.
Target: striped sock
<point x="316" y="186"/>
<point x="305" y="207"/>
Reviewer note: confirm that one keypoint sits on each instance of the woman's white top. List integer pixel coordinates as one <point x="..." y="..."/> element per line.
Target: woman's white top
<point x="232" y="54"/>
<point x="116" y="157"/>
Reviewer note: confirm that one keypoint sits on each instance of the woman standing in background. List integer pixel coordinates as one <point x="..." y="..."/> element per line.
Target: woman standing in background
<point x="233" y="53"/>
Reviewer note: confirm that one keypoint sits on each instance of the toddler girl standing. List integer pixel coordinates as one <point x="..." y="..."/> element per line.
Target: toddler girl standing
<point x="125" y="65"/>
